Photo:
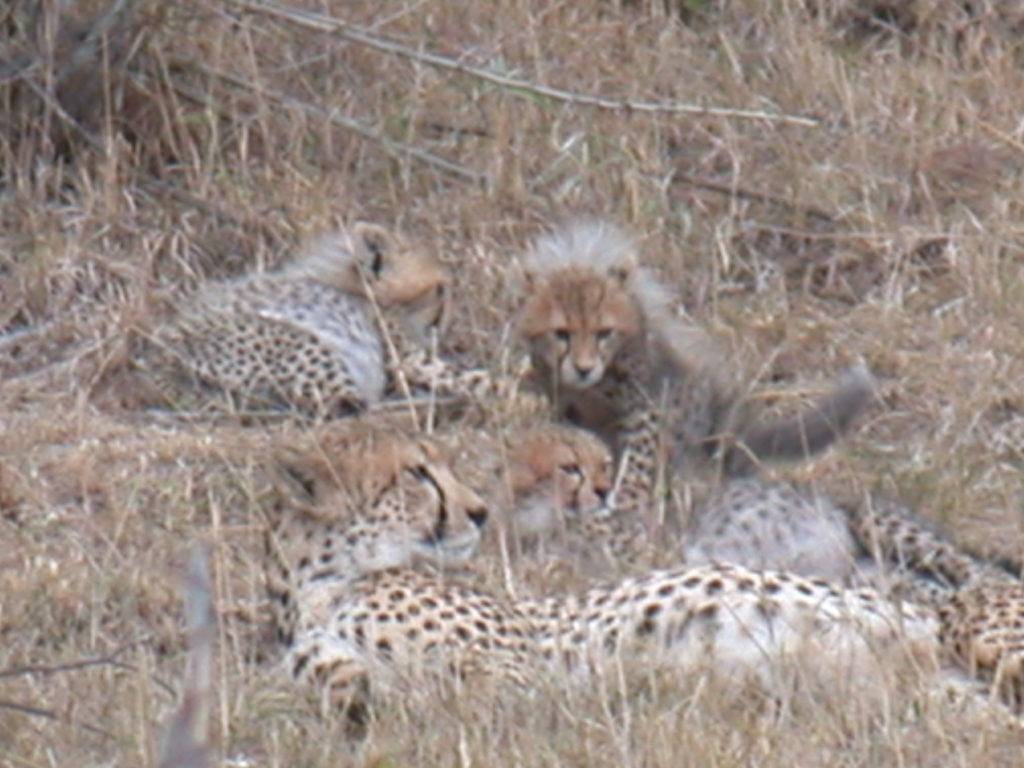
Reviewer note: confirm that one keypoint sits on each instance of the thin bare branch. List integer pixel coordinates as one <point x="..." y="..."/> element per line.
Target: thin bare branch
<point x="745" y="193"/>
<point x="39" y="669"/>
<point x="323" y="23"/>
<point x="389" y="145"/>
<point x="26" y="709"/>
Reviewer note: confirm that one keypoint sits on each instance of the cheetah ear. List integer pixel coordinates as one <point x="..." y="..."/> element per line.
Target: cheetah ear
<point x="374" y="247"/>
<point x="525" y="278"/>
<point x="622" y="271"/>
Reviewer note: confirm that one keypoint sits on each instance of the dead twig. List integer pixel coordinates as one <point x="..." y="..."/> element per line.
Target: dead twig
<point x="25" y="709"/>
<point x="39" y="669"/>
<point x="109" y="659"/>
<point x="389" y="145"/>
<point x="745" y="193"/>
<point x="323" y="23"/>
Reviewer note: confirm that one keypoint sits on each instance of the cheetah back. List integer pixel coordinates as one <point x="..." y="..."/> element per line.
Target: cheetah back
<point x="771" y="526"/>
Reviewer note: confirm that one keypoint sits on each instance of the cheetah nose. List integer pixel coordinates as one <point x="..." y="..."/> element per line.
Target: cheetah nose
<point x="583" y="371"/>
<point x="478" y="516"/>
<point x="603" y="494"/>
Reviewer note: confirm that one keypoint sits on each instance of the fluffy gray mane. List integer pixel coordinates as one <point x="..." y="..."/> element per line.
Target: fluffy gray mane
<point x="607" y="249"/>
<point x="597" y="244"/>
<point x="329" y="258"/>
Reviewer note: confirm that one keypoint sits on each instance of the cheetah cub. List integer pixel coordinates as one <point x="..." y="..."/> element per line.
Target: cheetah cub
<point x="550" y="488"/>
<point x="608" y="352"/>
<point x="540" y="477"/>
<point x="331" y="333"/>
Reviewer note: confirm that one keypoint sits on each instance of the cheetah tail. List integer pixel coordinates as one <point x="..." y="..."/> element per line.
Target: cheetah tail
<point x="890" y="530"/>
<point x="808" y="432"/>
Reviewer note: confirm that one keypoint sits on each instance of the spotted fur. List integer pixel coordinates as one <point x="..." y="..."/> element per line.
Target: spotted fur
<point x="980" y="604"/>
<point x="359" y="613"/>
<point x="771" y="525"/>
<point x="353" y="319"/>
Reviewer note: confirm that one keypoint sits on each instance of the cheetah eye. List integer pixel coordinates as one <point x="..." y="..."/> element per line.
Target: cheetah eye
<point x="572" y="470"/>
<point x="562" y="335"/>
<point x="604" y="334"/>
<point x="420" y="473"/>
<point x="377" y="264"/>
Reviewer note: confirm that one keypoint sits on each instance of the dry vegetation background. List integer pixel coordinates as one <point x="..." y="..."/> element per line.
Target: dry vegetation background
<point x="149" y="146"/>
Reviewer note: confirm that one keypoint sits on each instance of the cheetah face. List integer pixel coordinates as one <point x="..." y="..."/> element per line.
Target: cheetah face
<point x="558" y="472"/>
<point x="393" y="500"/>
<point x="575" y="321"/>
<point x="444" y="516"/>
<point x="404" y="278"/>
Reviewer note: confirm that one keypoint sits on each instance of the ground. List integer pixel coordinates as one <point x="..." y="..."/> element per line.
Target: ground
<point x="881" y="227"/>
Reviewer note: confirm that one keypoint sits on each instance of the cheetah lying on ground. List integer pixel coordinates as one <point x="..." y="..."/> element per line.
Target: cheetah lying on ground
<point x="354" y="318"/>
<point x="355" y="609"/>
<point x="548" y="486"/>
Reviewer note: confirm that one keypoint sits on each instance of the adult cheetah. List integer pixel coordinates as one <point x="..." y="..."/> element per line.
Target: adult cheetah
<point x="371" y="516"/>
<point x="356" y="610"/>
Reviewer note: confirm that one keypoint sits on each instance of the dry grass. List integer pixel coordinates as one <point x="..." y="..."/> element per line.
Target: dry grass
<point x="888" y="232"/>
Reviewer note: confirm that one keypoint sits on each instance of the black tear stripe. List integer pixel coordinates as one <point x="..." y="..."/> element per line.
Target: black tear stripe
<point x="443" y="514"/>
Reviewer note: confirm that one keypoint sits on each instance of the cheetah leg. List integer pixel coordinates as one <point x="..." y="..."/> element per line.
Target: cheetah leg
<point x="342" y="677"/>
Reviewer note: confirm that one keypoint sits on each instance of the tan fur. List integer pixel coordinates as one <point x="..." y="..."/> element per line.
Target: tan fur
<point x="895" y="535"/>
<point x="983" y="626"/>
<point x="371" y="261"/>
<point x="569" y="466"/>
<point x="347" y="469"/>
<point x="536" y="478"/>
<point x="576" y="321"/>
<point x="980" y="604"/>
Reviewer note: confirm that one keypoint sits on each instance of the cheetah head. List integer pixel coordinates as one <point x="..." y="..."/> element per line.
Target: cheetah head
<point x="557" y="470"/>
<point x="380" y="500"/>
<point x="580" y="309"/>
<point x="402" y="277"/>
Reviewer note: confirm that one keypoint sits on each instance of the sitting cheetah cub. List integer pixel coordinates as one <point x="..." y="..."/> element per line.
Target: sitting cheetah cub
<point x="608" y="352"/>
<point x="329" y="334"/>
<point x="611" y="357"/>
<point x="358" y="612"/>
